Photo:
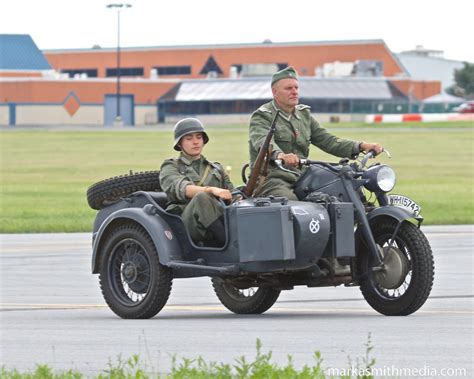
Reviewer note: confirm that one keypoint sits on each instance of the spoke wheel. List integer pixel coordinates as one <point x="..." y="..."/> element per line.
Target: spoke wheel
<point x="133" y="282"/>
<point x="404" y="283"/>
<point x="251" y="300"/>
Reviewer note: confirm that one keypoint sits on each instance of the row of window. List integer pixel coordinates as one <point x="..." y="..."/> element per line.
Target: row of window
<point x="129" y="71"/>
<point x="210" y="66"/>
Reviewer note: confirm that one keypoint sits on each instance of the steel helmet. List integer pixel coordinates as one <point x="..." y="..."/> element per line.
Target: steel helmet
<point x="188" y="126"/>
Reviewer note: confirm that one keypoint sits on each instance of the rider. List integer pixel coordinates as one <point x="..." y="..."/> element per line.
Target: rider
<point x="295" y="130"/>
<point x="194" y="184"/>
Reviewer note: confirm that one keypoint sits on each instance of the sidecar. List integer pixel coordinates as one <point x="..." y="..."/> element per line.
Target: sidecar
<point x="271" y="244"/>
<point x="334" y="235"/>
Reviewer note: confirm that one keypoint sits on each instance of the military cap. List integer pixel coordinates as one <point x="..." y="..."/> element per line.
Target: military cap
<point x="288" y="72"/>
<point x="188" y="126"/>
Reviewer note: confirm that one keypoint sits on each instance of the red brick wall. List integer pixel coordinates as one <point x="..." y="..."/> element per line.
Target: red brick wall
<point x="302" y="57"/>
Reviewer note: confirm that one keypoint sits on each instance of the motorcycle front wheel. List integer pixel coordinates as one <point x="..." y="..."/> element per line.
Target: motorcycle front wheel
<point x="244" y="301"/>
<point x="404" y="282"/>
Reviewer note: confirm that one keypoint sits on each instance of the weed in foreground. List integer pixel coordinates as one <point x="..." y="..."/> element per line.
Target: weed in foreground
<point x="261" y="368"/>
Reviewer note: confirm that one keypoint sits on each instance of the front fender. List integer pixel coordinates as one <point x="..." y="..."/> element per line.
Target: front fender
<point x="166" y="244"/>
<point x="389" y="211"/>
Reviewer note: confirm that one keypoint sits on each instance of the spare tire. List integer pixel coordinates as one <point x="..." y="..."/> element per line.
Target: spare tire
<point x="109" y="191"/>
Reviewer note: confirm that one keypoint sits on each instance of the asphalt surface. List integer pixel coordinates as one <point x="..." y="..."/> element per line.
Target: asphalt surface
<point x="52" y="312"/>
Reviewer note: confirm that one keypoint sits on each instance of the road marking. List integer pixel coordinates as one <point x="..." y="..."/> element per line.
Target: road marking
<point x="15" y="306"/>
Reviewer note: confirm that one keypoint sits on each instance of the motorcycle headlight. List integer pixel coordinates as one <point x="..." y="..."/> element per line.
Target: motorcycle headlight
<point x="379" y="178"/>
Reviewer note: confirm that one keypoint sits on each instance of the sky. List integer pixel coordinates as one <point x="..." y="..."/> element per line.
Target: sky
<point x="402" y="24"/>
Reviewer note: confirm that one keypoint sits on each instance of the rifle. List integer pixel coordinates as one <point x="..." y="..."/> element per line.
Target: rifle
<point x="262" y="159"/>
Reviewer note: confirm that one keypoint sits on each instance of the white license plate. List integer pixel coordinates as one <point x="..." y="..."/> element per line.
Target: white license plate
<point x="405" y="203"/>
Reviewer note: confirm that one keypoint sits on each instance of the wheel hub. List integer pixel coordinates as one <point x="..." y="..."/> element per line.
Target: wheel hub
<point x="133" y="274"/>
<point x="395" y="268"/>
<point x="129" y="272"/>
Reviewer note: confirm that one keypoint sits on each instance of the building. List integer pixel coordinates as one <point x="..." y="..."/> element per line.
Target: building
<point x="80" y="86"/>
<point x="427" y="64"/>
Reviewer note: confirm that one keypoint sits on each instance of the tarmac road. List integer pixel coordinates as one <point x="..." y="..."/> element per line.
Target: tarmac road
<point x="52" y="312"/>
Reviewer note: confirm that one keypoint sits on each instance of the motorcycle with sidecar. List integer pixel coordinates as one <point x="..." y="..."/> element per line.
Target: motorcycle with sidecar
<point x="345" y="229"/>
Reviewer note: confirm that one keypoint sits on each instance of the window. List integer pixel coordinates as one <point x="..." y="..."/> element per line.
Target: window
<point x="125" y="71"/>
<point x="90" y="72"/>
<point x="173" y="70"/>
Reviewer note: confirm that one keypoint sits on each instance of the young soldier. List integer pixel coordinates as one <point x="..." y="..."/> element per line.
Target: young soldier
<point x="194" y="184"/>
<point x="296" y="129"/>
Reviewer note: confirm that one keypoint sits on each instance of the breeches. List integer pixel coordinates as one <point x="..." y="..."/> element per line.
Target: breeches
<point x="199" y="213"/>
<point x="277" y="187"/>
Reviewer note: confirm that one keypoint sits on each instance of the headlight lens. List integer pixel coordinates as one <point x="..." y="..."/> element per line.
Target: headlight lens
<point x="386" y="179"/>
<point x="379" y="178"/>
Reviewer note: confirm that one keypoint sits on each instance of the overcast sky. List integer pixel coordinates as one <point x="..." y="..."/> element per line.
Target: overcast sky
<point x="403" y="24"/>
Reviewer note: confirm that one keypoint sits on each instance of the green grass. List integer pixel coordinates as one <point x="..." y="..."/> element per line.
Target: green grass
<point x="262" y="367"/>
<point x="45" y="173"/>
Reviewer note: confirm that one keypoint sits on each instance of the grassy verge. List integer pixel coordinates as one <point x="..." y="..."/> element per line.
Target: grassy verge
<point x="261" y="367"/>
<point x="45" y="174"/>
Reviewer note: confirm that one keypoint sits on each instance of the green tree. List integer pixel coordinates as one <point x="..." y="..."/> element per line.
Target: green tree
<point x="464" y="78"/>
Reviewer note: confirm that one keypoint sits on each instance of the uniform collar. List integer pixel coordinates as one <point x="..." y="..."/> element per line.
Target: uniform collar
<point x="286" y="116"/>
<point x="187" y="160"/>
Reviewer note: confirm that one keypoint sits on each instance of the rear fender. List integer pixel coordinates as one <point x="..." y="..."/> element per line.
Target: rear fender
<point x="165" y="241"/>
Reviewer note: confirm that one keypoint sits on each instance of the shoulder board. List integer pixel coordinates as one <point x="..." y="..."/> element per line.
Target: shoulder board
<point x="267" y="108"/>
<point x="301" y="107"/>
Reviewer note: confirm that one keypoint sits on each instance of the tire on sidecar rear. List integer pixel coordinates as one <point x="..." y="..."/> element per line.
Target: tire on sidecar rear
<point x="111" y="190"/>
<point x="413" y="258"/>
<point x="242" y="302"/>
<point x="133" y="282"/>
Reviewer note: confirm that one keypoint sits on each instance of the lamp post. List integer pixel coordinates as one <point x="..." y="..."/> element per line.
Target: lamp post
<point x="119" y="7"/>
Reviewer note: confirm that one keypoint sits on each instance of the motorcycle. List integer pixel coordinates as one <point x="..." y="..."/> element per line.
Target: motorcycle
<point x="345" y="229"/>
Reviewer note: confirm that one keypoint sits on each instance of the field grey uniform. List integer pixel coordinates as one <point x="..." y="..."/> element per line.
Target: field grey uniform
<point x="293" y="134"/>
<point x="203" y="209"/>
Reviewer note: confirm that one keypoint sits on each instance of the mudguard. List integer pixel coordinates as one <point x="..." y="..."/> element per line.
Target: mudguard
<point x="389" y="211"/>
<point x="165" y="241"/>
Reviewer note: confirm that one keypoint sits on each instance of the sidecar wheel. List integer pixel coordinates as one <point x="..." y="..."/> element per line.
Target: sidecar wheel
<point x="246" y="301"/>
<point x="133" y="282"/>
<point x="406" y="283"/>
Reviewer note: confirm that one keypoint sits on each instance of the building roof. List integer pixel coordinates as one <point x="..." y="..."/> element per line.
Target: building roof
<point x="264" y="44"/>
<point x="259" y="89"/>
<point x="445" y="98"/>
<point x="18" y="52"/>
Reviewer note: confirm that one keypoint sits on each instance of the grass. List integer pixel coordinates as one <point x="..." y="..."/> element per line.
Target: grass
<point x="261" y="367"/>
<point x="45" y="173"/>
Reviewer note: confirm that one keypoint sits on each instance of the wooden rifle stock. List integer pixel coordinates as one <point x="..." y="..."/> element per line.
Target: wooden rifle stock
<point x="262" y="158"/>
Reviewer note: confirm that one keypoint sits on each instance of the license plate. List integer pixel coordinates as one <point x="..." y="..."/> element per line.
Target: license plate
<point x="405" y="203"/>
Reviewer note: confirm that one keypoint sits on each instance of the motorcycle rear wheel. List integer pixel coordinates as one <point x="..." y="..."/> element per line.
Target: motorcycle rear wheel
<point x="413" y="259"/>
<point x="245" y="301"/>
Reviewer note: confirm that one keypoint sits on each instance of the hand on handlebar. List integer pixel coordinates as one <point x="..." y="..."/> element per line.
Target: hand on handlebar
<point x="291" y="159"/>
<point x="369" y="146"/>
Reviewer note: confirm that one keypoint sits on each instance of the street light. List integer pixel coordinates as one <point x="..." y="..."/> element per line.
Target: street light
<point x="119" y="7"/>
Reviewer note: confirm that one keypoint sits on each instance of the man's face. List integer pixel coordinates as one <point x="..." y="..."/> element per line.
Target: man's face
<point x="192" y="144"/>
<point x="285" y="92"/>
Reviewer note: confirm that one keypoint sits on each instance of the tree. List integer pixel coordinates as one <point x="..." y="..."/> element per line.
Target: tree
<point x="464" y="78"/>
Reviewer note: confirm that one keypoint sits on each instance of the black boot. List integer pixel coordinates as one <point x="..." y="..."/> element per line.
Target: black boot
<point x="217" y="229"/>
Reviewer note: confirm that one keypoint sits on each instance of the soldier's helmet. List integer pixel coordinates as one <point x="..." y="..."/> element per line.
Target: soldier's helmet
<point x="188" y="126"/>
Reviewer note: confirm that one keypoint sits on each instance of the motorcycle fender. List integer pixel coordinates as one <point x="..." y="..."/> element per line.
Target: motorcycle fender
<point x="164" y="239"/>
<point x="389" y="211"/>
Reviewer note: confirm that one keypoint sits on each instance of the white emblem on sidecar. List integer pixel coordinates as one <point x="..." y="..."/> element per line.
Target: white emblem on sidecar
<point x="314" y="226"/>
<point x="168" y="235"/>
